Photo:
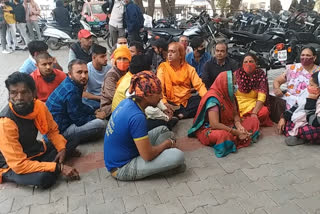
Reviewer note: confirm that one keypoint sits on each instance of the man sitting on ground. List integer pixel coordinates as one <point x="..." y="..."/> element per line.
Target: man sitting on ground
<point x="82" y="49"/>
<point x="120" y="67"/>
<point x="177" y="78"/>
<point x="136" y="48"/>
<point x="23" y="159"/>
<point x="97" y="71"/>
<point x="199" y="56"/>
<point x="35" y="48"/>
<point x="46" y="77"/>
<point x="184" y="40"/>
<point x="77" y="121"/>
<point x="130" y="151"/>
<point x="219" y="63"/>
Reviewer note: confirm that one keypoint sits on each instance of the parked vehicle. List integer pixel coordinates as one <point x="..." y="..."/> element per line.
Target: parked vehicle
<point x="56" y="36"/>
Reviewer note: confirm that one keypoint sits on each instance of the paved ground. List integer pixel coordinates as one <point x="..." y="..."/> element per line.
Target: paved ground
<point x="268" y="177"/>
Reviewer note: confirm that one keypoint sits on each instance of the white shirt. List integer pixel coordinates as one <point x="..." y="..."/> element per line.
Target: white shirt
<point x="116" y="18"/>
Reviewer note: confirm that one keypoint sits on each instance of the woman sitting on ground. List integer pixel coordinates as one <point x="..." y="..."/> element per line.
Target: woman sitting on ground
<point x="297" y="77"/>
<point x="252" y="90"/>
<point x="300" y="124"/>
<point x="217" y="122"/>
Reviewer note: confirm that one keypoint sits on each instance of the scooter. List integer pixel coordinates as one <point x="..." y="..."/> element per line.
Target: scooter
<point x="56" y="36"/>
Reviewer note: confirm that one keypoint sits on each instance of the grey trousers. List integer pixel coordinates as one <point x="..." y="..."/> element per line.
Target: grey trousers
<point x="22" y="27"/>
<point x="115" y="33"/>
<point x="11" y="36"/>
<point x="3" y="27"/>
<point x="138" y="168"/>
<point x="34" y="25"/>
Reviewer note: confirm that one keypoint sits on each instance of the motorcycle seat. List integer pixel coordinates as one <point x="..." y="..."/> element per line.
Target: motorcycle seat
<point x="171" y="31"/>
<point x="260" y="37"/>
<point x="67" y="30"/>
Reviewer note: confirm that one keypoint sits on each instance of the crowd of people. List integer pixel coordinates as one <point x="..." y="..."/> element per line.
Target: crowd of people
<point x="135" y="100"/>
<point x="22" y="16"/>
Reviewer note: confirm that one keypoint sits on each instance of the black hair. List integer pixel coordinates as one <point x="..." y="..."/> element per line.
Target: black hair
<point x="138" y="45"/>
<point x="222" y="43"/>
<point x="255" y="58"/>
<point x="140" y="63"/>
<point x="43" y="55"/>
<point x="98" y="49"/>
<point x="75" y="62"/>
<point x="196" y="42"/>
<point x="18" y="77"/>
<point x="312" y="49"/>
<point x="37" y="46"/>
<point x="160" y="43"/>
<point x="315" y="79"/>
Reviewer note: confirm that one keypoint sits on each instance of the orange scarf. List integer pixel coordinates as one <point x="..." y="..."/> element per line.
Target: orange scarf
<point x="38" y="115"/>
<point x="179" y="77"/>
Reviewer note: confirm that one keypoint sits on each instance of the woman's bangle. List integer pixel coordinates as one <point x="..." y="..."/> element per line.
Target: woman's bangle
<point x="254" y="113"/>
<point x="172" y="142"/>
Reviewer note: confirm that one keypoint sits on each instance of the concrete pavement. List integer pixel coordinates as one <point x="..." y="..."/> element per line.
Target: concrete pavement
<point x="265" y="178"/>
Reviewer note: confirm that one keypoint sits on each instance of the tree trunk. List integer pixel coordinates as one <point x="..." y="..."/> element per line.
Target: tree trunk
<point x="234" y="5"/>
<point x="140" y="4"/>
<point x="275" y="5"/>
<point x="164" y="7"/>
<point x="213" y="5"/>
<point x="150" y="9"/>
<point x="171" y="4"/>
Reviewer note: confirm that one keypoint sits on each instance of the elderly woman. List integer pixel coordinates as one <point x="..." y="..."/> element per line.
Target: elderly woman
<point x="297" y="77"/>
<point x="217" y="122"/>
<point x="252" y="90"/>
<point x="301" y="123"/>
<point x="177" y="79"/>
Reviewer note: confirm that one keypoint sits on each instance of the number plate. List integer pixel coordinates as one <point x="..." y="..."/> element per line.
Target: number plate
<point x="282" y="55"/>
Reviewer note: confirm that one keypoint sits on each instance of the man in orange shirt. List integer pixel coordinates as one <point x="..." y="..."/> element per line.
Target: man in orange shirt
<point x="177" y="79"/>
<point x="46" y="77"/>
<point x="23" y="159"/>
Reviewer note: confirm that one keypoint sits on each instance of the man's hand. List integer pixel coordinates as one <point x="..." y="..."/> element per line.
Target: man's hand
<point x="278" y="92"/>
<point x="60" y="156"/>
<point x="100" y="114"/>
<point x="70" y="172"/>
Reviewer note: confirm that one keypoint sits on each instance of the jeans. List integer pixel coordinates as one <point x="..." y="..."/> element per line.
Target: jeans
<point x="87" y="132"/>
<point x="31" y="25"/>
<point x="169" y="159"/>
<point x="3" y="27"/>
<point x="41" y="179"/>
<point x="94" y="104"/>
<point x="22" y="27"/>
<point x="11" y="36"/>
<point x="115" y="33"/>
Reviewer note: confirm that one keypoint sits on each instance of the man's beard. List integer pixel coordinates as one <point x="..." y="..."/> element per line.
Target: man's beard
<point x="24" y="110"/>
<point x="49" y="78"/>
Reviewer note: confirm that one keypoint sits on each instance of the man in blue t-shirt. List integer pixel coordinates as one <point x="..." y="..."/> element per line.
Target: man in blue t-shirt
<point x="130" y="151"/>
<point x="199" y="56"/>
<point x="97" y="71"/>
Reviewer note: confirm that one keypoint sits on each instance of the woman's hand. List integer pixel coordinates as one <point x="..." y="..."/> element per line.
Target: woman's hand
<point x="278" y="92"/>
<point x="240" y="127"/>
<point x="281" y="125"/>
<point x="313" y="96"/>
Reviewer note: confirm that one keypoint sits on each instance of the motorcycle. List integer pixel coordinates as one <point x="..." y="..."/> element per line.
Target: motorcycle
<point x="56" y="36"/>
<point x="203" y="27"/>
